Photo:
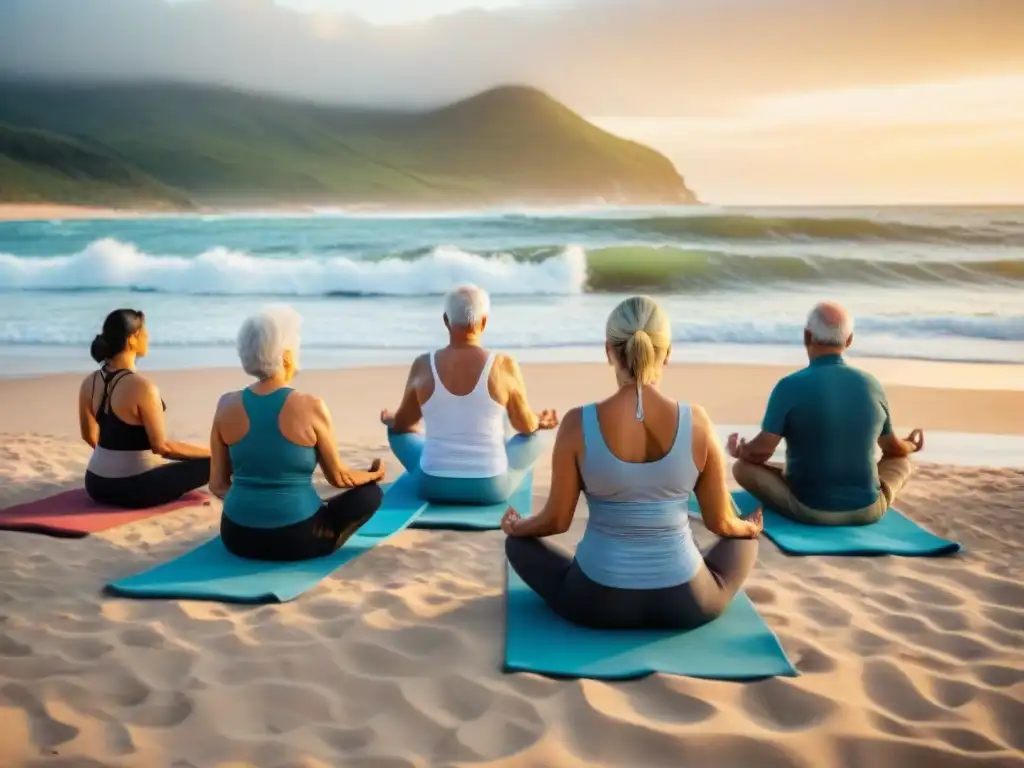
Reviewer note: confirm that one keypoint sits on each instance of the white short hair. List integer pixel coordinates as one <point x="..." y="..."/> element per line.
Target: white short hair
<point x="467" y="306"/>
<point x="264" y="337"/>
<point x="830" y="324"/>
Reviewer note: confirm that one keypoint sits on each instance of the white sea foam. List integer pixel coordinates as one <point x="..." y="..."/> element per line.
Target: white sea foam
<point x="109" y="263"/>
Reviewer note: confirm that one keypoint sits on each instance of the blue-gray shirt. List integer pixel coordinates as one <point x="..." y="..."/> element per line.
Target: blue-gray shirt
<point x="831" y="416"/>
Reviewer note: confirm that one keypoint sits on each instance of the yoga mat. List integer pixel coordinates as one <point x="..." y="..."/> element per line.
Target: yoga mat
<point x="469" y="518"/>
<point x="210" y="572"/>
<point x="72" y="514"/>
<point x="453" y="517"/>
<point x="894" y="534"/>
<point x="736" y="646"/>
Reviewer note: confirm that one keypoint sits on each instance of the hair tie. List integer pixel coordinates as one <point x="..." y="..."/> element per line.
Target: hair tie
<point x="639" y="400"/>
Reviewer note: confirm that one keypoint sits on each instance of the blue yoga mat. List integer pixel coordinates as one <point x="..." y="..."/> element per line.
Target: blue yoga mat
<point x="452" y="517"/>
<point x="736" y="646"/>
<point x="465" y="518"/>
<point x="210" y="572"/>
<point x="894" y="534"/>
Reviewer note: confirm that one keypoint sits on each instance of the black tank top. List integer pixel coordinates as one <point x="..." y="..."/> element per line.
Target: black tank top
<point x="115" y="434"/>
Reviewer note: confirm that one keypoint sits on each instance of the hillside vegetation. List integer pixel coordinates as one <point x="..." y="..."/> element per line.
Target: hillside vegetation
<point x="176" y="144"/>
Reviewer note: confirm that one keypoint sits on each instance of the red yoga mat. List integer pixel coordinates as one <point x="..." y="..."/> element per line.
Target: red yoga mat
<point x="72" y="514"/>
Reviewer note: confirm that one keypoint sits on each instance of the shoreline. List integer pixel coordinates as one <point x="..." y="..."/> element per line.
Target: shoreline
<point x="28" y="212"/>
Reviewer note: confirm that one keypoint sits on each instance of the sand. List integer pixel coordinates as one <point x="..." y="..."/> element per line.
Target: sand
<point x="395" y="659"/>
<point x="55" y="212"/>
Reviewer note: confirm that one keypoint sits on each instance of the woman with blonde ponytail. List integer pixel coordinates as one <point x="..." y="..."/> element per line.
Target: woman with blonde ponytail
<point x="637" y="456"/>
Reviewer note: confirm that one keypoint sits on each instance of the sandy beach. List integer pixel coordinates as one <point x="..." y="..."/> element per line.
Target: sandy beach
<point x="395" y="659"/>
<point x="55" y="212"/>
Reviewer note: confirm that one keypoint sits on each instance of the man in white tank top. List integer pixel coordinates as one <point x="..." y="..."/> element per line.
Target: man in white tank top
<point x="462" y="395"/>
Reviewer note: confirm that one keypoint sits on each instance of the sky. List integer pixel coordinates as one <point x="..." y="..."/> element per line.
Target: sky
<point x="756" y="101"/>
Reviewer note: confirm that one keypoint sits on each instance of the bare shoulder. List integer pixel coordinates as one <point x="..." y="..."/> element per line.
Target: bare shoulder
<point x="699" y="418"/>
<point x="89" y="383"/>
<point x="140" y="386"/>
<point x="228" y="400"/>
<point x="506" y="370"/>
<point x="420" y="367"/>
<point x="506" y="363"/>
<point x="309" y="404"/>
<point x="571" y="425"/>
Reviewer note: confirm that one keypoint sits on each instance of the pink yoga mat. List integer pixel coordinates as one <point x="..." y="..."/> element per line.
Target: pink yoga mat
<point x="72" y="514"/>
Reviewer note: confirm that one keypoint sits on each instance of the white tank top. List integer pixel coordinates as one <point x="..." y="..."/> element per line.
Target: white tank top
<point x="465" y="435"/>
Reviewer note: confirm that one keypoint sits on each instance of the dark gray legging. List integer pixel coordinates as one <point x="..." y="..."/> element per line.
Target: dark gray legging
<point x="554" y="575"/>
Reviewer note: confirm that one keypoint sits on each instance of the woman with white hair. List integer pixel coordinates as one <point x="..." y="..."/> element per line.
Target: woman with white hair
<point x="637" y="456"/>
<point x="266" y="442"/>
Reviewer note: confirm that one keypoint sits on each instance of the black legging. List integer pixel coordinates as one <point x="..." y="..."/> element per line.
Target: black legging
<point x="152" y="488"/>
<point x="318" y="536"/>
<point x="554" y="575"/>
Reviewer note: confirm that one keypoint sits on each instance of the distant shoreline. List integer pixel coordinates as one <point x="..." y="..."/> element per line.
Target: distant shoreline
<point x="52" y="211"/>
<point x="60" y="212"/>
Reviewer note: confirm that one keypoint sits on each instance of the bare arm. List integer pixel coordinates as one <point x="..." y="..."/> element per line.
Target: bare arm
<point x="899" y="448"/>
<point x="151" y="414"/>
<point x="409" y="414"/>
<point x="220" y="458"/>
<point x="87" y="425"/>
<point x="523" y="419"/>
<point x="559" y="509"/>
<point x="756" y="451"/>
<point x="712" y="488"/>
<point x="335" y="470"/>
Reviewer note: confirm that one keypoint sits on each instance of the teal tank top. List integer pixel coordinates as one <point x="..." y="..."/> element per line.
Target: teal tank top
<point x="638" y="533"/>
<point x="272" y="477"/>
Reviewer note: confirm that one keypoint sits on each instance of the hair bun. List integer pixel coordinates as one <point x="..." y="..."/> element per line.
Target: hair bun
<point x="100" y="349"/>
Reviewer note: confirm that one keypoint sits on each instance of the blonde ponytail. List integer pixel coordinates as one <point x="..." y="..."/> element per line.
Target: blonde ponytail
<point x="641" y="359"/>
<point x="639" y="334"/>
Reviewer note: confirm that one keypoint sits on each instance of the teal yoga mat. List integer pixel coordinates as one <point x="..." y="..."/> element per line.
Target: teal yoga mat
<point x="736" y="646"/>
<point x="894" y="534"/>
<point x="210" y="572"/>
<point x="453" y="517"/>
<point x="463" y="518"/>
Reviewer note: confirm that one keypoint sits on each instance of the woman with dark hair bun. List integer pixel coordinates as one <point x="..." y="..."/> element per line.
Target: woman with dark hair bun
<point x="122" y="417"/>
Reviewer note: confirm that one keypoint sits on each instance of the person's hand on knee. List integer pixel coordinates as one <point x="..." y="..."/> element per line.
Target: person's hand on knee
<point x="509" y="520"/>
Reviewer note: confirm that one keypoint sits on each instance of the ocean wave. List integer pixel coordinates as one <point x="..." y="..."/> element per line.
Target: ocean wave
<point x="745" y="227"/>
<point x="540" y="271"/>
<point x="108" y="264"/>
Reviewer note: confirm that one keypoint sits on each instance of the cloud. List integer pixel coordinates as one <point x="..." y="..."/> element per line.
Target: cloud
<point x="611" y="57"/>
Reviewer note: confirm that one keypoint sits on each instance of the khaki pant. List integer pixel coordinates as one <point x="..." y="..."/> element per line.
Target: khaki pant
<point x="767" y="483"/>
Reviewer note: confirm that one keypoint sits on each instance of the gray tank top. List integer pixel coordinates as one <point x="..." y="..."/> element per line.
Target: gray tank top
<point x="638" y="535"/>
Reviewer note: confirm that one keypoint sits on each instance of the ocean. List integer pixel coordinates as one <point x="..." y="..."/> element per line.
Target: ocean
<point x="923" y="283"/>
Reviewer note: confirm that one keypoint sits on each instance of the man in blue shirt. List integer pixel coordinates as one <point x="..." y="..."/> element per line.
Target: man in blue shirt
<point x="832" y="416"/>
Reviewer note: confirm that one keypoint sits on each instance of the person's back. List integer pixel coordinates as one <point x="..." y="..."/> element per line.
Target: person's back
<point x="834" y="418"/>
<point x="272" y="477"/>
<point x="267" y="440"/>
<point x="465" y="424"/>
<point x="637" y="456"/>
<point x="638" y="534"/>
<point x="121" y="416"/>
<point x="462" y="394"/>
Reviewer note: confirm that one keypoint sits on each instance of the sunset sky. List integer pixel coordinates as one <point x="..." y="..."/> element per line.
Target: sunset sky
<point x="757" y="101"/>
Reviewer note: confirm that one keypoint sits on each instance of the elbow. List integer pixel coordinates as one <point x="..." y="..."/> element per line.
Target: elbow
<point x="524" y="425"/>
<point x="162" y="449"/>
<point x="560" y="526"/>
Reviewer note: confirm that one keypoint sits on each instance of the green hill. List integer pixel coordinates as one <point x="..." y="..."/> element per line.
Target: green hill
<point x="168" y="144"/>
<point x="37" y="166"/>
